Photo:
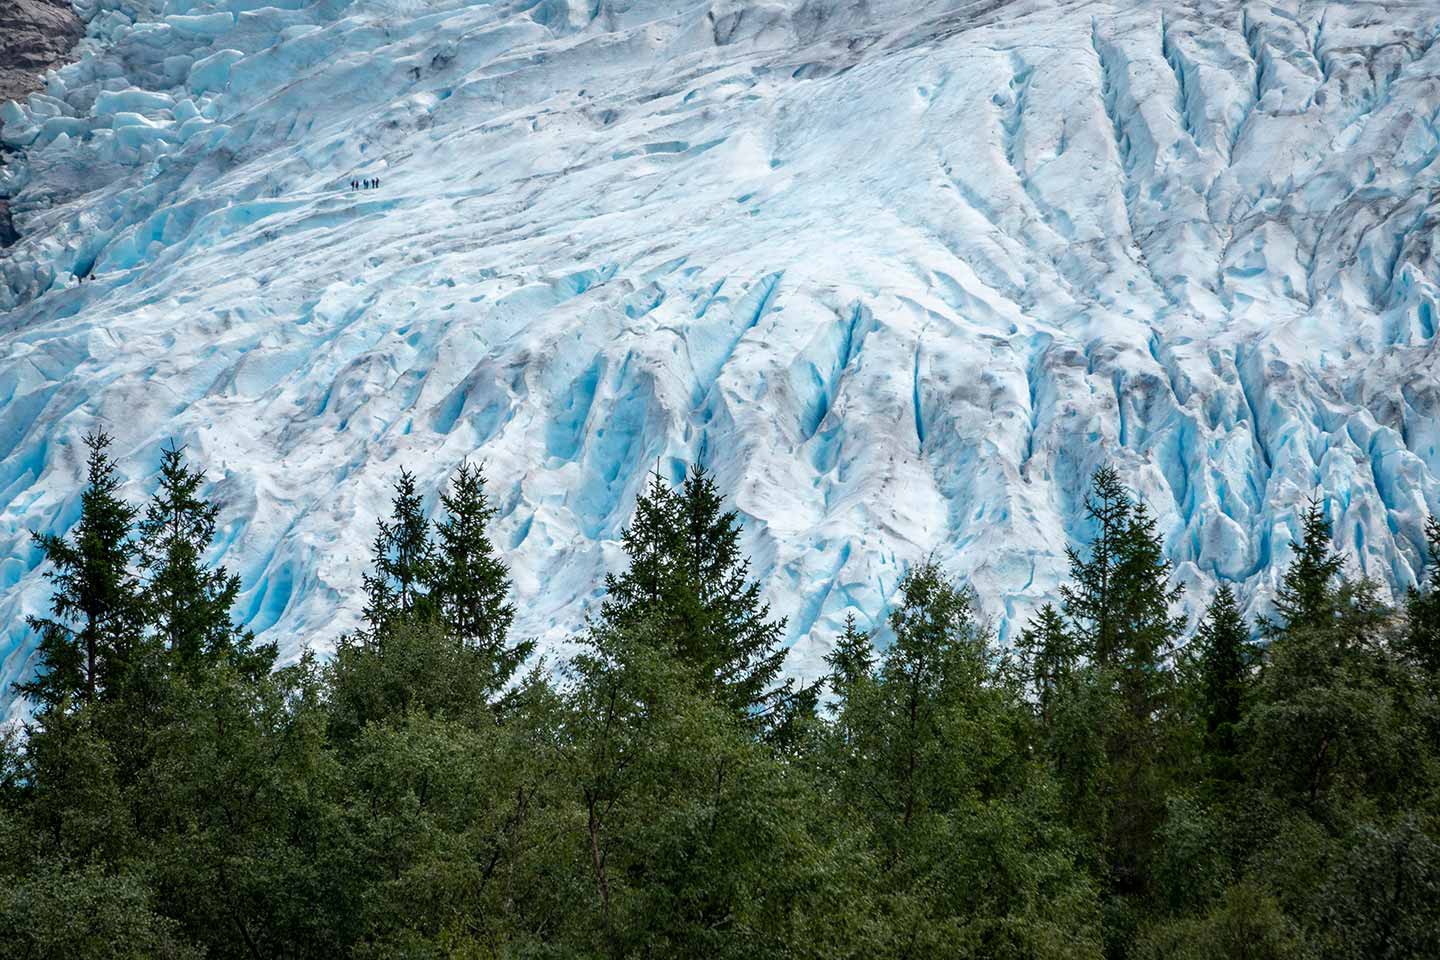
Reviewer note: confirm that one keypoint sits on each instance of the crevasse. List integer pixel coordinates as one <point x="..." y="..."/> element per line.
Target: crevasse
<point x="902" y="272"/>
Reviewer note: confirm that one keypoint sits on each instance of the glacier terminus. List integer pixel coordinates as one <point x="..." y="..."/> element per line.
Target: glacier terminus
<point x="903" y="273"/>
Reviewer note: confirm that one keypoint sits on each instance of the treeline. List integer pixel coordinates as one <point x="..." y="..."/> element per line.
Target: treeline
<point x="1108" y="788"/>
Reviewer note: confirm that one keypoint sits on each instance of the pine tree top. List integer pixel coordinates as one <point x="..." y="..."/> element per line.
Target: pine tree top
<point x="1307" y="594"/>
<point x="1432" y="548"/>
<point x="87" y="642"/>
<point x="403" y="558"/>
<point x="853" y="656"/>
<point x="688" y="579"/>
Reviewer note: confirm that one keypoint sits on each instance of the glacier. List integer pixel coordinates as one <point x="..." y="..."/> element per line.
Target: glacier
<point x="903" y="273"/>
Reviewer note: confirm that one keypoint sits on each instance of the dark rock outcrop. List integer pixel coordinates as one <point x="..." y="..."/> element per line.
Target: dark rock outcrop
<point x="35" y="35"/>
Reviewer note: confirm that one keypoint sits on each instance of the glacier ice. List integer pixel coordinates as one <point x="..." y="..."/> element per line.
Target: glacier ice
<point x="903" y="272"/>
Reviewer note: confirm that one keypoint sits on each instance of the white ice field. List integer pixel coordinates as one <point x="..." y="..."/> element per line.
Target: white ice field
<point x="902" y="272"/>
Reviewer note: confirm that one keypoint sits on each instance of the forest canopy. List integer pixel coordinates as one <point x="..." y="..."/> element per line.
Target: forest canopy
<point x="1114" y="785"/>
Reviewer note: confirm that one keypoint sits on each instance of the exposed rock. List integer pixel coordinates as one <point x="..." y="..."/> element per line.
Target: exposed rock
<point x="35" y="35"/>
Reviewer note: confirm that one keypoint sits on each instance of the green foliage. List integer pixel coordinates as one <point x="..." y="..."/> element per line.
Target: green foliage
<point x="437" y="618"/>
<point x="235" y="818"/>
<point x="1246" y="924"/>
<point x="1327" y="729"/>
<point x="662" y="794"/>
<point x="690" y="584"/>
<point x="403" y="558"/>
<point x="470" y="584"/>
<point x="1106" y="688"/>
<point x="71" y="796"/>
<point x="1421" y="640"/>
<point x="189" y="604"/>
<point x="1382" y="897"/>
<point x="419" y="669"/>
<point x="1191" y="869"/>
<point x="89" y="642"/>
<point x="452" y="833"/>
<point x="86" y="915"/>
<point x="695" y="838"/>
<point x="1088" y="599"/>
<point x="1050" y="656"/>
<point x="851" y="660"/>
<point x="928" y="753"/>
<point x="1223" y="659"/>
<point x="903" y="760"/>
<point x="1307" y="596"/>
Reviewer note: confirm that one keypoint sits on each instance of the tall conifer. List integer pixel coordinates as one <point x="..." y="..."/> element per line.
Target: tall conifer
<point x="689" y="580"/>
<point x="188" y="603"/>
<point x="1308" y="597"/>
<point x="1421" y="641"/>
<point x="936" y="662"/>
<point x="1142" y="599"/>
<point x="852" y="659"/>
<point x="1088" y="600"/>
<point x="1224" y="657"/>
<point x="470" y="583"/>
<point x="403" y="558"/>
<point x="88" y="643"/>
<point x="1050" y="655"/>
<point x="1119" y="607"/>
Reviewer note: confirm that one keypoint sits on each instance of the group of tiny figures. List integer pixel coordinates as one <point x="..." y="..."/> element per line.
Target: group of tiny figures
<point x="370" y="183"/>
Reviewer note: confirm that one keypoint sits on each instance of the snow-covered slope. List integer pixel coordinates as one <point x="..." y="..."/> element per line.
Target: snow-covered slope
<point x="902" y="271"/>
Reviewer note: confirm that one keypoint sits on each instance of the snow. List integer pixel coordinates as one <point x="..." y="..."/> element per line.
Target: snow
<point x="903" y="272"/>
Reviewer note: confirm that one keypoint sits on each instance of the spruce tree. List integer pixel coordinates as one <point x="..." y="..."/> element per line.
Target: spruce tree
<point x="1145" y="633"/>
<point x="1323" y="730"/>
<point x="689" y="581"/>
<point x="930" y="763"/>
<point x="403" y="558"/>
<point x="1308" y="598"/>
<point x="1070" y="705"/>
<point x="852" y="659"/>
<point x="469" y="583"/>
<point x="652" y="544"/>
<point x="852" y="682"/>
<point x="1088" y="600"/>
<point x="1050" y="655"/>
<point x="1119" y="600"/>
<point x="88" y="643"/>
<point x="188" y="603"/>
<point x="1224" y="657"/>
<point x="734" y="637"/>
<point x="1145" y="630"/>
<point x="1118" y="606"/>
<point x="936" y="662"/>
<point x="1421" y="639"/>
<point x="893" y="716"/>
